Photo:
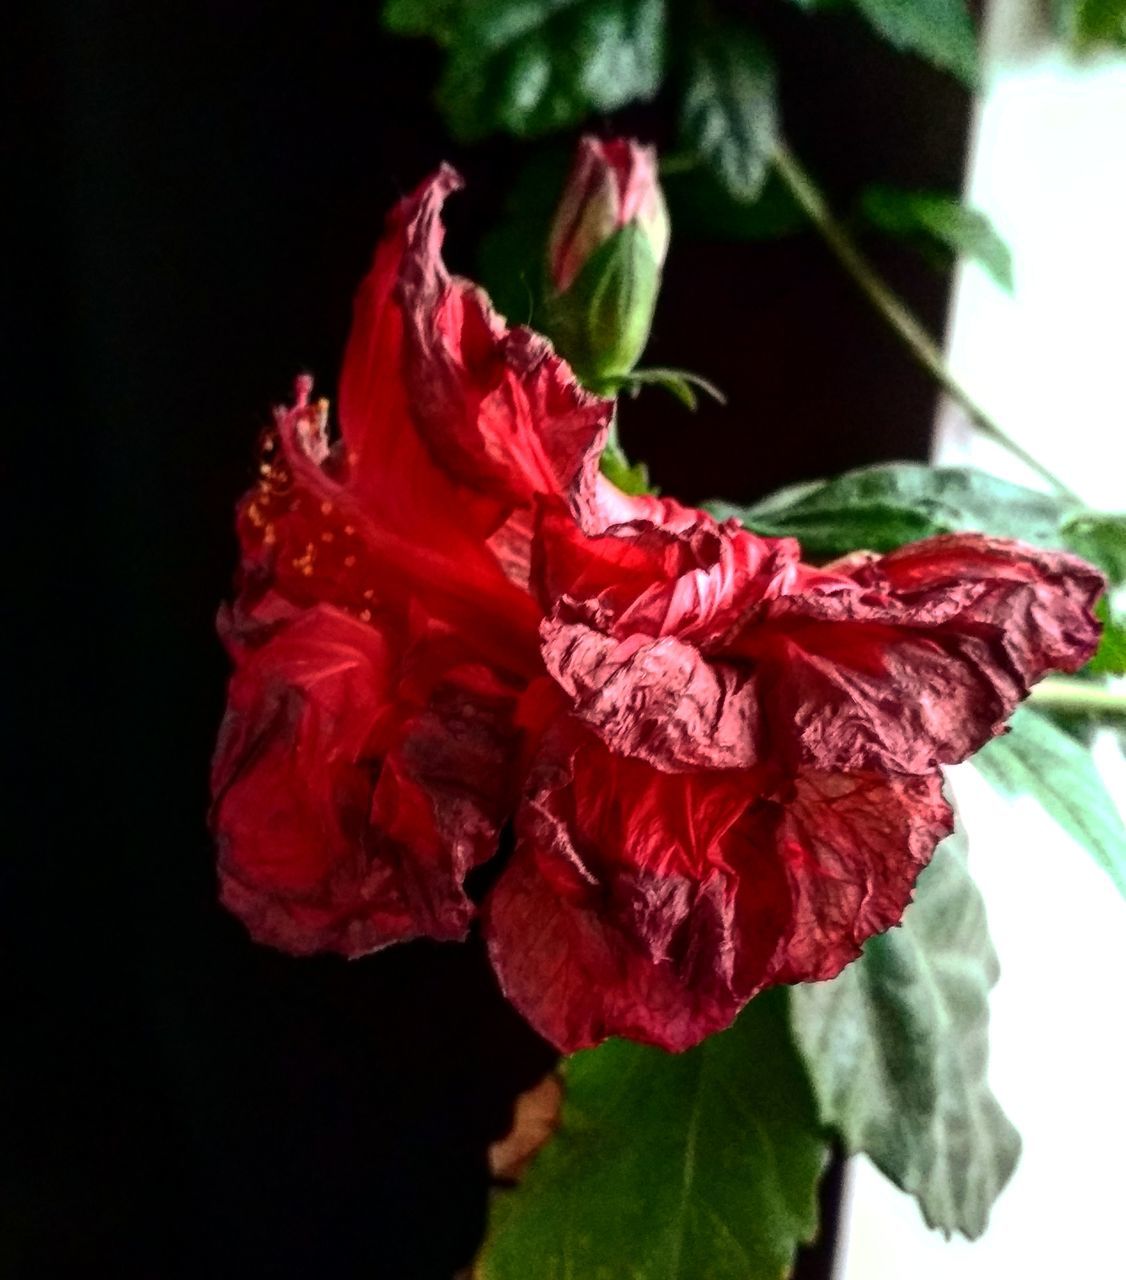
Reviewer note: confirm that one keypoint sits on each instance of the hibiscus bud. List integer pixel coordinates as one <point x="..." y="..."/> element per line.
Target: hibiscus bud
<point x="606" y="248"/>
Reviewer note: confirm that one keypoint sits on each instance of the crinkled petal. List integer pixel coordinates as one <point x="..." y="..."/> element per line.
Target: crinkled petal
<point x="917" y="658"/>
<point x="658" y="700"/>
<point x="852" y="846"/>
<point x="632" y="611"/>
<point x="497" y="406"/>
<point x="654" y="905"/>
<point x="344" y="823"/>
<point x="621" y="912"/>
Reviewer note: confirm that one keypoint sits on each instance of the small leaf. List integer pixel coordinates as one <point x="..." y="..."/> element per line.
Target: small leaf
<point x="939" y="222"/>
<point x="730" y="117"/>
<point x="671" y="1166"/>
<point x="631" y="478"/>
<point x="1110" y="657"/>
<point x="1038" y="758"/>
<point x="939" y="30"/>
<point x="1101" y="539"/>
<point x="531" y="66"/>
<point x="896" y="1049"/>
<point x="679" y="382"/>
<point x="880" y="508"/>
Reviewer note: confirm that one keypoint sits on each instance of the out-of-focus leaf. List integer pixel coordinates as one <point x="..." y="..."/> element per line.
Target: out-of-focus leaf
<point x="671" y="1166"/>
<point x="510" y="262"/>
<point x="1101" y="539"/>
<point x="435" y="18"/>
<point x="1038" y="758"/>
<point x="896" y="1048"/>
<point x="939" y="222"/>
<point x="880" y="508"/>
<point x="729" y="116"/>
<point x="1088" y="23"/>
<point x="1110" y="657"/>
<point x="631" y="478"/>
<point x="702" y="208"/>
<point x="938" y="30"/>
<point x="527" y="67"/>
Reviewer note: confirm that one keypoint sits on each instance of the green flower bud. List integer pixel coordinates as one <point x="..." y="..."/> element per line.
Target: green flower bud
<point x="607" y="246"/>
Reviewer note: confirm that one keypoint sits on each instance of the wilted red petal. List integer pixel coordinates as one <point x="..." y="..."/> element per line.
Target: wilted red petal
<point x="347" y="818"/>
<point x="635" y="611"/>
<point x="499" y="409"/>
<point x="916" y="658"/>
<point x="697" y="644"/>
<point x="852" y="845"/>
<point x="655" y="905"/>
<point x="618" y="914"/>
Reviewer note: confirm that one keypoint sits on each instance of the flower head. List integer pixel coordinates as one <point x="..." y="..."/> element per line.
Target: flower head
<point x="721" y="765"/>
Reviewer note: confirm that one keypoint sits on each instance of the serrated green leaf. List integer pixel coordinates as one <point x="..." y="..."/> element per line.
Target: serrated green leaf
<point x="729" y="116"/>
<point x="880" y="508"/>
<point x="941" y="222"/>
<point x="1038" y="758"/>
<point x="940" y="31"/>
<point x="671" y="1166"/>
<point x="896" y="1048"/>
<point x="528" y="67"/>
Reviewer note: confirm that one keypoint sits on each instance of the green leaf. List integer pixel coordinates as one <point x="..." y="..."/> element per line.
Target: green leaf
<point x="1038" y="758"/>
<point x="531" y="66"/>
<point x="939" y="30"/>
<point x="671" y="1166"/>
<point x="510" y="261"/>
<point x="681" y="383"/>
<point x="702" y="208"/>
<point x="939" y="224"/>
<point x="631" y="478"/>
<point x="1110" y="657"/>
<point x="435" y="18"/>
<point x="1101" y="539"/>
<point x="729" y="117"/>
<point x="880" y="508"/>
<point x="1088" y="23"/>
<point x="896" y="1048"/>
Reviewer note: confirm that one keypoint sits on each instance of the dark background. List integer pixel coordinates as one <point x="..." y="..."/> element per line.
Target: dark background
<point x="198" y="189"/>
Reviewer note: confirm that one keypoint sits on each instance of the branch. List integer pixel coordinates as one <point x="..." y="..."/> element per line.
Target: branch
<point x="903" y="321"/>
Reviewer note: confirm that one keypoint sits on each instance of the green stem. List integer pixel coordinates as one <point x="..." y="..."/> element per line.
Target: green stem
<point x="1079" y="697"/>
<point x="906" y="325"/>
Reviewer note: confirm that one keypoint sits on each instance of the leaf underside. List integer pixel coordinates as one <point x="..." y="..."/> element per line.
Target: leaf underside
<point x="896" y="1047"/>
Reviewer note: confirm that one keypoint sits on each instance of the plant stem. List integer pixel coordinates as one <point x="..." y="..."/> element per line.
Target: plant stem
<point x="903" y="321"/>
<point x="1080" y="697"/>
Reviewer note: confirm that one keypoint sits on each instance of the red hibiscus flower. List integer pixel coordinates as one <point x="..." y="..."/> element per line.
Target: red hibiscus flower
<point x="722" y="765"/>
<point x="740" y="782"/>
